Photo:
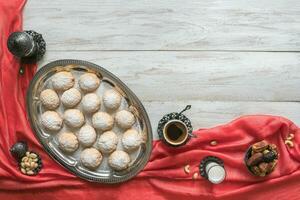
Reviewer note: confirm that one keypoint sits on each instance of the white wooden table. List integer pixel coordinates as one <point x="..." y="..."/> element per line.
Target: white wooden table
<point x="224" y="57"/>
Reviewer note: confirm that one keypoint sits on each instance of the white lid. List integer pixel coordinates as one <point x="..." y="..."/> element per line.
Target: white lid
<point x="216" y="174"/>
<point x="210" y="165"/>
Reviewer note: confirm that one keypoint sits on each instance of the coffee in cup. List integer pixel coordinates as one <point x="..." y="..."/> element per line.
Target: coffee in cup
<point x="175" y="132"/>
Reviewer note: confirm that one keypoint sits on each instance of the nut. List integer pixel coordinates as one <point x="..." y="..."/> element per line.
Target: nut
<point x="187" y="169"/>
<point x="262" y="174"/>
<point x="22" y="164"/>
<point x="263" y="167"/>
<point x="213" y="143"/>
<point x="255" y="159"/>
<point x="27" y="153"/>
<point x="33" y="155"/>
<point x="32" y="164"/>
<point x="35" y="165"/>
<point x="24" y="159"/>
<point x="27" y="164"/>
<point x="289" y="143"/>
<point x="266" y="151"/>
<point x="273" y="147"/>
<point x="195" y="175"/>
<point x="260" y="146"/>
<point x="35" y="160"/>
<point x="23" y="170"/>
<point x="291" y="136"/>
<point x="273" y="165"/>
<point x="255" y="170"/>
<point x="30" y="172"/>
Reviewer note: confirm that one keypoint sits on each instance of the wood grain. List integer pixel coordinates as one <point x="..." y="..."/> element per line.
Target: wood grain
<point x="225" y="58"/>
<point x="206" y="76"/>
<point x="231" y="25"/>
<point x="220" y="86"/>
<point x="207" y="114"/>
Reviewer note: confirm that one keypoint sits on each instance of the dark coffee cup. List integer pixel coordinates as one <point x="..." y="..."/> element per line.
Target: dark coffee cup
<point x="175" y="129"/>
<point x="175" y="132"/>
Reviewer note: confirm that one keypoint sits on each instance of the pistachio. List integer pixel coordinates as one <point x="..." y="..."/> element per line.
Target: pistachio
<point x="266" y="151"/>
<point x="29" y="160"/>
<point x="27" y="169"/>
<point x="35" y="160"/>
<point x="187" y="169"/>
<point x="22" y="164"/>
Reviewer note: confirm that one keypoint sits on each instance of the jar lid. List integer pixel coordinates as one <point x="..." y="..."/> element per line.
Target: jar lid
<point x="212" y="169"/>
<point x="216" y="174"/>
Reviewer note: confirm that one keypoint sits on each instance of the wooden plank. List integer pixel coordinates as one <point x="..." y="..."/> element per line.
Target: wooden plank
<point x="205" y="76"/>
<point x="207" y="114"/>
<point x="167" y="25"/>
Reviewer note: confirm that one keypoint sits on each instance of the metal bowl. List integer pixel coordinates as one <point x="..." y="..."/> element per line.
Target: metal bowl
<point x="103" y="174"/>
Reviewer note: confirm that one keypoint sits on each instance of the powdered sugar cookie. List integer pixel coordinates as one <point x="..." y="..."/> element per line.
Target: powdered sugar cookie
<point x="71" y="97"/>
<point x="87" y="135"/>
<point x="49" y="99"/>
<point x="119" y="160"/>
<point x="67" y="142"/>
<point x="91" y="158"/>
<point x="62" y="81"/>
<point x="89" y="82"/>
<point x="102" y="121"/>
<point x="73" y="118"/>
<point x="107" y="142"/>
<point x="131" y="140"/>
<point x="51" y="120"/>
<point x="91" y="103"/>
<point x="124" y="119"/>
<point x="112" y="99"/>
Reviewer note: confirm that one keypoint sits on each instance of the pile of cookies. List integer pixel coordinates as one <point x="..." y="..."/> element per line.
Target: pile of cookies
<point x="79" y="100"/>
<point x="262" y="158"/>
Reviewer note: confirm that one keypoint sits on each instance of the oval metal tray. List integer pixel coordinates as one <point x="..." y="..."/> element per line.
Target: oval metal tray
<point x="103" y="174"/>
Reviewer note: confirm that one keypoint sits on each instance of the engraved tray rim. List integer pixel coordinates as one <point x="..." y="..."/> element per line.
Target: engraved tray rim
<point x="63" y="62"/>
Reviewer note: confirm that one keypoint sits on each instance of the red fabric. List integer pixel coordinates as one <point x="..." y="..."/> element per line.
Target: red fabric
<point x="163" y="177"/>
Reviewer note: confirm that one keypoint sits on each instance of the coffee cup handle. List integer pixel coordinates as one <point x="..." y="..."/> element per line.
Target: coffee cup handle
<point x="185" y="109"/>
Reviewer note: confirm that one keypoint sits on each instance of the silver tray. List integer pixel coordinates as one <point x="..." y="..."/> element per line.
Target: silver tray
<point x="103" y="174"/>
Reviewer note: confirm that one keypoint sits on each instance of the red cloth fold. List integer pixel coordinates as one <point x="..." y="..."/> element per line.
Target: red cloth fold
<point x="163" y="177"/>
